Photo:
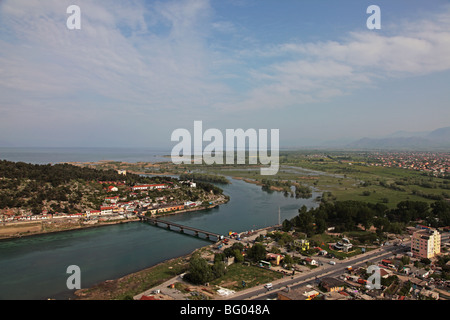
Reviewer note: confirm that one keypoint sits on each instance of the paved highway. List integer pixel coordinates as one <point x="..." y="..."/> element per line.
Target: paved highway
<point x="373" y="257"/>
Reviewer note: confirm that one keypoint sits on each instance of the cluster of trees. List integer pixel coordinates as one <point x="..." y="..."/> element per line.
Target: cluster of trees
<point x="431" y="196"/>
<point x="213" y="178"/>
<point x="304" y="192"/>
<point x="430" y="182"/>
<point x="31" y="186"/>
<point x="32" y="195"/>
<point x="300" y="191"/>
<point x="200" y="272"/>
<point x="208" y="187"/>
<point x="349" y="215"/>
<point x="235" y="251"/>
<point x="59" y="174"/>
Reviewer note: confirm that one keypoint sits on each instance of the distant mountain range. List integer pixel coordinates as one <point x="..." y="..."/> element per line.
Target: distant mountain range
<point x="401" y="140"/>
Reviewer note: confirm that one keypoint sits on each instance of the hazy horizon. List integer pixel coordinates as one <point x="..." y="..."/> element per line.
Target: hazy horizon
<point x="341" y="144"/>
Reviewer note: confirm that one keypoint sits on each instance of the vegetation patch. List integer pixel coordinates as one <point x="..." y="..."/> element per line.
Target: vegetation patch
<point x="240" y="276"/>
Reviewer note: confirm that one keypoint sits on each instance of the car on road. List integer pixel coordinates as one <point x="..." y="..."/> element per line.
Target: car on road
<point x="268" y="286"/>
<point x="332" y="262"/>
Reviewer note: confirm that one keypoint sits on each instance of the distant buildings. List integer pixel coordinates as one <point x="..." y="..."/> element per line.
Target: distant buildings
<point x="106" y="210"/>
<point x="436" y="164"/>
<point x="426" y="243"/>
<point x="302" y="243"/>
<point x="114" y="206"/>
<point x="331" y="284"/>
<point x="149" y="187"/>
<point x="343" y="245"/>
<point x="112" y="189"/>
<point x="303" y="293"/>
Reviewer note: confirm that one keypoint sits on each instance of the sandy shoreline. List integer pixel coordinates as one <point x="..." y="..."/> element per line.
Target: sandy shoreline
<point x="110" y="289"/>
<point x="28" y="229"/>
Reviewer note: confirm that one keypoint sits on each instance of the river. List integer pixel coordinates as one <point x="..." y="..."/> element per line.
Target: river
<point x="35" y="267"/>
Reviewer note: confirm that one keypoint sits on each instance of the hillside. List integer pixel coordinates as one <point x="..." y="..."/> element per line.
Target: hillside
<point x="434" y="140"/>
<point x="59" y="188"/>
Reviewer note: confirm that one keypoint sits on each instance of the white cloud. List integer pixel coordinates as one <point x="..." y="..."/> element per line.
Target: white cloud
<point x="318" y="71"/>
<point x="116" y="54"/>
<point x="139" y="59"/>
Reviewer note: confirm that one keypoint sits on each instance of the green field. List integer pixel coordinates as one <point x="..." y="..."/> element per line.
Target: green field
<point x="345" y="176"/>
<point x="252" y="275"/>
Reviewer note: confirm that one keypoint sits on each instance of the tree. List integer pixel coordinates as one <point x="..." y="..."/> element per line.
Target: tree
<point x="321" y="225"/>
<point x="238" y="257"/>
<point x="237" y="245"/>
<point x="218" y="269"/>
<point x="288" y="260"/>
<point x="405" y="260"/>
<point x="219" y="257"/>
<point x="228" y="252"/>
<point x="287" y="225"/>
<point x="257" y="252"/>
<point x="304" y="221"/>
<point x="199" y="271"/>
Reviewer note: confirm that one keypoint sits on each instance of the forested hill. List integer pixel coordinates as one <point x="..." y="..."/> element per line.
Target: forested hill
<point x="58" y="174"/>
<point x="67" y="188"/>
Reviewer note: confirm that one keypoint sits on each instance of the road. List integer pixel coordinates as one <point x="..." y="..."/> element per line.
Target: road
<point x="372" y="257"/>
<point x="260" y="293"/>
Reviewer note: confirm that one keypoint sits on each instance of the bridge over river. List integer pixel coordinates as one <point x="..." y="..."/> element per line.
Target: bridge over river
<point x="212" y="236"/>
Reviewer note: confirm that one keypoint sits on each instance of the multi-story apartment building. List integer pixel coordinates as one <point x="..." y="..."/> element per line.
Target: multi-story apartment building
<point x="426" y="243"/>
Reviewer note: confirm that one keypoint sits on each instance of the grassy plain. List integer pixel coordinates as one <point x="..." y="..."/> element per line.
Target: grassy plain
<point x="252" y="275"/>
<point x="338" y="175"/>
<point x="344" y="176"/>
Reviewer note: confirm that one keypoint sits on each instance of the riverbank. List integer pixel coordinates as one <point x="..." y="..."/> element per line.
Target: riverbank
<point x="29" y="229"/>
<point x="15" y="230"/>
<point x="258" y="183"/>
<point x="131" y="247"/>
<point x="126" y="287"/>
<point x="140" y="282"/>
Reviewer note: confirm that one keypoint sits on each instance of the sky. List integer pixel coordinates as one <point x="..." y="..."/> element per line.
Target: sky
<point x="136" y="71"/>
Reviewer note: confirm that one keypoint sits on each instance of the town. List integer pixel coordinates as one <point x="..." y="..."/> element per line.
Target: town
<point x="413" y="266"/>
<point x="436" y="164"/>
<point x="118" y="208"/>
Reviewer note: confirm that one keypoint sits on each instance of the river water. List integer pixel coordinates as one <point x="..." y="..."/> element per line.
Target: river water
<point x="35" y="267"/>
